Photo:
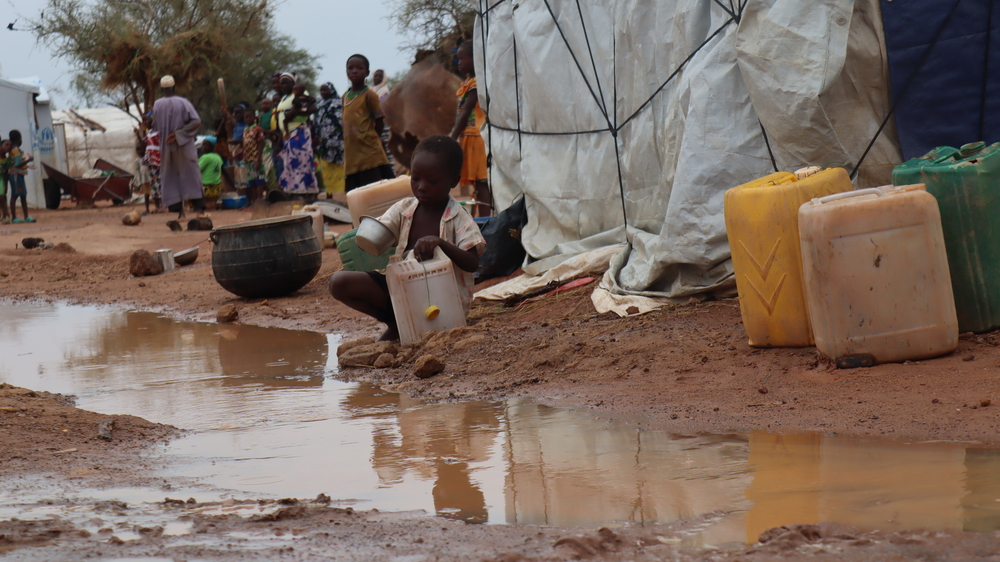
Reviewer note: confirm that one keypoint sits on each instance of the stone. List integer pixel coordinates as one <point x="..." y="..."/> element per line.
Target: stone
<point x="200" y="223"/>
<point x="104" y="429"/>
<point x="349" y="345"/>
<point x="427" y="366"/>
<point x="142" y="263"/>
<point x="131" y="219"/>
<point x="174" y="226"/>
<point x="365" y="355"/>
<point x="227" y="313"/>
<point x="385" y="360"/>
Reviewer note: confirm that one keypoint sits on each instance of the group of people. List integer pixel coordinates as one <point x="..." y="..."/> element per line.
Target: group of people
<point x="13" y="167"/>
<point x="295" y="146"/>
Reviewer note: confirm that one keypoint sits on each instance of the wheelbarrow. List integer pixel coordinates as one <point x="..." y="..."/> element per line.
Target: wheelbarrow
<point x="115" y="185"/>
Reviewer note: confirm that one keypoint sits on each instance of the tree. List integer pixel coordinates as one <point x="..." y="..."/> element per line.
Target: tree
<point x="121" y="48"/>
<point x="435" y="25"/>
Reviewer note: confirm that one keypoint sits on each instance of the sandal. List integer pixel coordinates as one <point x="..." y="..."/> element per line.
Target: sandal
<point x="29" y="219"/>
<point x="5" y="220"/>
<point x="17" y="221"/>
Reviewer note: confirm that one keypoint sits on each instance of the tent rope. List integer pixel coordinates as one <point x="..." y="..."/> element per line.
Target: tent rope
<point x="906" y="86"/>
<point x="517" y="98"/>
<point x="676" y="72"/>
<point x="576" y="60"/>
<point x="593" y="63"/>
<point x="598" y="96"/>
<point x="767" y="143"/>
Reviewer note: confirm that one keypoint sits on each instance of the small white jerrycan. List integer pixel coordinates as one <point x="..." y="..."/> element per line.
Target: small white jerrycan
<point x="425" y="295"/>
<point x="876" y="276"/>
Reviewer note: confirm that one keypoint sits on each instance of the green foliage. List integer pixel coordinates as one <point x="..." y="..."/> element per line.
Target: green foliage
<point x="434" y="25"/>
<point x="121" y="48"/>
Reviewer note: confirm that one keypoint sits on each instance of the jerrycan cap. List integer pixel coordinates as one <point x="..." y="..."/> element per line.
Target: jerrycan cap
<point x="432" y="312"/>
<point x="803" y="173"/>
<point x="971" y="148"/>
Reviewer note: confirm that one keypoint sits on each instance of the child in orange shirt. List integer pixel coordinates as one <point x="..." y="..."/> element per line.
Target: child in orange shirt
<point x="466" y="131"/>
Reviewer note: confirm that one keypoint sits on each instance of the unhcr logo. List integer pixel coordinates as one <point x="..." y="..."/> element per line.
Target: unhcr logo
<point x="46" y="141"/>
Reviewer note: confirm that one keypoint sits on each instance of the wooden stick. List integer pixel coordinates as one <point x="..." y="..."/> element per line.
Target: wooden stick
<point x="222" y="93"/>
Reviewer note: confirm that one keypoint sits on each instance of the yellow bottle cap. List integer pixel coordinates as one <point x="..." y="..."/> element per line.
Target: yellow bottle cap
<point x="432" y="312"/>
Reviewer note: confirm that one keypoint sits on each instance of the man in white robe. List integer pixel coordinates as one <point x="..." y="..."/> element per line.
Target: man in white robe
<point x="177" y="122"/>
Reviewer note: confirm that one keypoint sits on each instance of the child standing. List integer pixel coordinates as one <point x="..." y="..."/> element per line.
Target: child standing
<point x="364" y="157"/>
<point x="430" y="219"/>
<point x="253" y="157"/>
<point x="18" y="169"/>
<point x="5" y="162"/>
<point x="151" y="158"/>
<point x="467" y="126"/>
<point x="142" y="183"/>
<point x="211" y="171"/>
<point x="267" y="150"/>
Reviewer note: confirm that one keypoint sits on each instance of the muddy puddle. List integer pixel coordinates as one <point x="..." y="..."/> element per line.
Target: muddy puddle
<point x="269" y="419"/>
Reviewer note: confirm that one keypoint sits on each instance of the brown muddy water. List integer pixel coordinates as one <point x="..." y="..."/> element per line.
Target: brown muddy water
<point x="269" y="419"/>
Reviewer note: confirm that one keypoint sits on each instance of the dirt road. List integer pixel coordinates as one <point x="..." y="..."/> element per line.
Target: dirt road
<point x="686" y="368"/>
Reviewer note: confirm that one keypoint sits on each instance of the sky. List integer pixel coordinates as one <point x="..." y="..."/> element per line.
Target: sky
<point x="331" y="29"/>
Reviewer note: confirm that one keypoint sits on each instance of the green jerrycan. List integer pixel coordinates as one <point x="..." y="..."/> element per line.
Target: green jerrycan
<point x="356" y="259"/>
<point x="966" y="183"/>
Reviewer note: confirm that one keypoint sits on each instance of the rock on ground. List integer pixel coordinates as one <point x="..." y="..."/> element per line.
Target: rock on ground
<point x="427" y="366"/>
<point x="142" y="263"/>
<point x="366" y="355"/>
<point x="200" y="223"/>
<point x="385" y="360"/>
<point x="349" y="345"/>
<point x="227" y="313"/>
<point x="132" y="218"/>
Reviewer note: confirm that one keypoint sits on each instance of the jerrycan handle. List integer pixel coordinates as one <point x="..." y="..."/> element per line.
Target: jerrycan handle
<point x="412" y="254"/>
<point x="848" y="195"/>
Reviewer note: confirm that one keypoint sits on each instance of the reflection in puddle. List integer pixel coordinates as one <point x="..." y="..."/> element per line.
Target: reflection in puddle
<point x="270" y="421"/>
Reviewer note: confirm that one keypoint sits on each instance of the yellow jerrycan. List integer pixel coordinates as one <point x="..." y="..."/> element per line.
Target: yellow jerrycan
<point x="763" y="228"/>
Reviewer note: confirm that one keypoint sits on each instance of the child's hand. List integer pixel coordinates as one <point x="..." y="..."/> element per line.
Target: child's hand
<point x="425" y="247"/>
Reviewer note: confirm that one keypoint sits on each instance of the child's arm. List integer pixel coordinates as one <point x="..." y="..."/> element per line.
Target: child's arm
<point x="375" y="110"/>
<point x="466" y="260"/>
<point x="463" y="117"/>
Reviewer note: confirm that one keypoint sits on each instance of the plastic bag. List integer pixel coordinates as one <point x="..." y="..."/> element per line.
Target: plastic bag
<point x="504" y="252"/>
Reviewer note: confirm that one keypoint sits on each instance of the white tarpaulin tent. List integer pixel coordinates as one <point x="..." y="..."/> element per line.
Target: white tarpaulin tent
<point x="106" y="132"/>
<point x="606" y="113"/>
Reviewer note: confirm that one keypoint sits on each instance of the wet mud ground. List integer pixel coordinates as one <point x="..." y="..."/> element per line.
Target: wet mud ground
<point x="687" y="368"/>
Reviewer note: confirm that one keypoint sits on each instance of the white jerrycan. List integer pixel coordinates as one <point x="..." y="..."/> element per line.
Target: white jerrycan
<point x="425" y="295"/>
<point x="876" y="276"/>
